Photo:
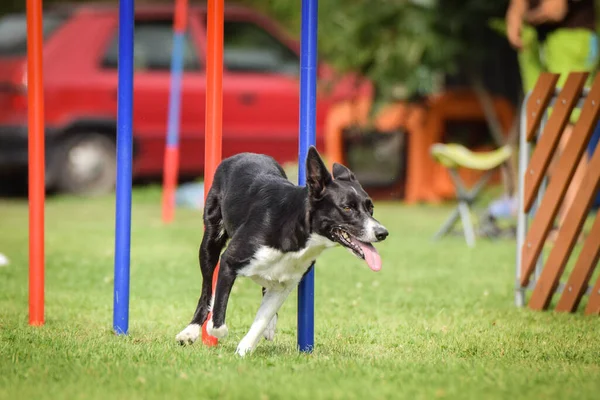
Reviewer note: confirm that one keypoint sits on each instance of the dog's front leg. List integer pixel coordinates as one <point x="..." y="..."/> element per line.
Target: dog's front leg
<point x="271" y="303"/>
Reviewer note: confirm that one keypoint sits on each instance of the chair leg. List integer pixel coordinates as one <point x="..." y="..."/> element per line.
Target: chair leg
<point x="465" y="217"/>
<point x="448" y="225"/>
<point x="478" y="187"/>
<point x="465" y="198"/>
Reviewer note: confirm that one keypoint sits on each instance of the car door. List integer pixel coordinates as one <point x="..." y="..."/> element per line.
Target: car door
<point x="261" y="81"/>
<point x="152" y="81"/>
<point x="260" y="91"/>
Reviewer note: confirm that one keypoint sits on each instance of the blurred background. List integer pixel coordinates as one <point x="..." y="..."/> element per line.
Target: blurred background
<point x="394" y="77"/>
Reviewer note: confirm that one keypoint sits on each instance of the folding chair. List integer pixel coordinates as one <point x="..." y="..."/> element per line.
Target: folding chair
<point x="454" y="156"/>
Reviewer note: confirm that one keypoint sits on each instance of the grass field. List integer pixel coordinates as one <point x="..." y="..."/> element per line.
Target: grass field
<point x="437" y="322"/>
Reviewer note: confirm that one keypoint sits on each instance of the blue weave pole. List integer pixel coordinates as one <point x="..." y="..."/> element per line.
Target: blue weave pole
<point x="175" y="94"/>
<point x="124" y="167"/>
<point x="307" y="137"/>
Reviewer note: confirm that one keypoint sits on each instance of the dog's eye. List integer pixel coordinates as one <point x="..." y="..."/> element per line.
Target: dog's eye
<point x="347" y="208"/>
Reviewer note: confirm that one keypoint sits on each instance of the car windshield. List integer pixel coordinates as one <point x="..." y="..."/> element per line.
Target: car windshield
<point x="13" y="32"/>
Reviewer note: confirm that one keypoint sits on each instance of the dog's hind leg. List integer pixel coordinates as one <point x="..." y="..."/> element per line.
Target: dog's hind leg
<point x="216" y="325"/>
<point x="213" y="241"/>
<point x="269" y="332"/>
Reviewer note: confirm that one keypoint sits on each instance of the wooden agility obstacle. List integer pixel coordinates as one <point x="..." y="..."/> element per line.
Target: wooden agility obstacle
<point x="543" y="120"/>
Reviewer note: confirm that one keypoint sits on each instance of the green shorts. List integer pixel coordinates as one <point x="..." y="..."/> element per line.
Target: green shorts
<point x="564" y="50"/>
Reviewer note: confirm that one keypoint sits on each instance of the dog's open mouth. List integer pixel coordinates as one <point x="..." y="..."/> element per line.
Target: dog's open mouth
<point x="363" y="250"/>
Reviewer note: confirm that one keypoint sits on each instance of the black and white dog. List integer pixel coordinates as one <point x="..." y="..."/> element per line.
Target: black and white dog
<point x="275" y="231"/>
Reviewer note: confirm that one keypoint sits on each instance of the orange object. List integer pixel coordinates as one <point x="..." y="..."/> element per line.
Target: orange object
<point x="533" y="269"/>
<point x="547" y="210"/>
<point x="37" y="185"/>
<point x="458" y="105"/>
<point x="214" y="114"/>
<point x="426" y="180"/>
<point x="170" y="183"/>
<point x="181" y="16"/>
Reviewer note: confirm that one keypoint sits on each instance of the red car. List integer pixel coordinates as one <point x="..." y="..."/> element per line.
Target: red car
<point x="260" y="92"/>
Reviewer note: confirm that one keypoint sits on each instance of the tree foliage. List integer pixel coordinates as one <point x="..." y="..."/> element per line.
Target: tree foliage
<point x="404" y="46"/>
<point x="407" y="44"/>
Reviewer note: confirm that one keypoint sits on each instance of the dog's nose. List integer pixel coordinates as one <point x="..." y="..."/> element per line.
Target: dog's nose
<point x="381" y="233"/>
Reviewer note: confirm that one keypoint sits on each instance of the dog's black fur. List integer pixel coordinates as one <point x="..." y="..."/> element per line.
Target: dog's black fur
<point x="252" y="205"/>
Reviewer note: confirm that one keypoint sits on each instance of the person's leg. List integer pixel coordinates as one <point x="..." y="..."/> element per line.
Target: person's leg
<point x="565" y="51"/>
<point x="593" y="146"/>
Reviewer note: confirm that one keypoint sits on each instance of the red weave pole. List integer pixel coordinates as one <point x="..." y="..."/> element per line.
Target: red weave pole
<point x="169" y="183"/>
<point x="181" y="16"/>
<point x="214" y="113"/>
<point x="35" y="112"/>
<point x="171" y="160"/>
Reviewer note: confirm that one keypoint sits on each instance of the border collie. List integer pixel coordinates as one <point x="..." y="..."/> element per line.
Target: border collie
<point x="275" y="231"/>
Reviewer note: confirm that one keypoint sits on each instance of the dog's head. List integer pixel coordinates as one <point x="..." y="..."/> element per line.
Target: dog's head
<point x="341" y="210"/>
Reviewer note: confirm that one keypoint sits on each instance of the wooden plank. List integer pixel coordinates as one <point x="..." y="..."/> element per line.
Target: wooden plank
<point x="545" y="148"/>
<point x="593" y="305"/>
<point x="584" y="268"/>
<point x="567" y="236"/>
<point x="561" y="177"/>
<point x="538" y="101"/>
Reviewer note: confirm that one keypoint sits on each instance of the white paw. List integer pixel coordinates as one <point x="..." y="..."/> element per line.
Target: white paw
<point x="243" y="349"/>
<point x="219" y="332"/>
<point x="189" y="335"/>
<point x="269" y="332"/>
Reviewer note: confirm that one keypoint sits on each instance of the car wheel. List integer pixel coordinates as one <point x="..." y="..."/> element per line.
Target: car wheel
<point x="87" y="165"/>
<point x="13" y="183"/>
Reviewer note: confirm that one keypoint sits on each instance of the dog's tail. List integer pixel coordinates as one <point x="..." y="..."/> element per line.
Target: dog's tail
<point x="214" y="240"/>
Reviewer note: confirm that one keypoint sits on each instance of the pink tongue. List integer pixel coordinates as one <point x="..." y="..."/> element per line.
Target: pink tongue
<point x="372" y="257"/>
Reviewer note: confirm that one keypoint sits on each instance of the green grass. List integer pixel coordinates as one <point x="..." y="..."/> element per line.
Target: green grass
<point x="437" y="322"/>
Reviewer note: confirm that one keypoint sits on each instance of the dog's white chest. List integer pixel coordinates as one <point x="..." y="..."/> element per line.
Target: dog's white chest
<point x="272" y="268"/>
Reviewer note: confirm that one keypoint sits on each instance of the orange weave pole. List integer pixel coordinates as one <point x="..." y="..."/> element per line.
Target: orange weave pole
<point x="214" y="114"/>
<point x="35" y="111"/>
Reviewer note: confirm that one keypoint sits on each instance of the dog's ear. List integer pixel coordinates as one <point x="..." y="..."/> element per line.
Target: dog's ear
<point x="317" y="176"/>
<point x="342" y="173"/>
